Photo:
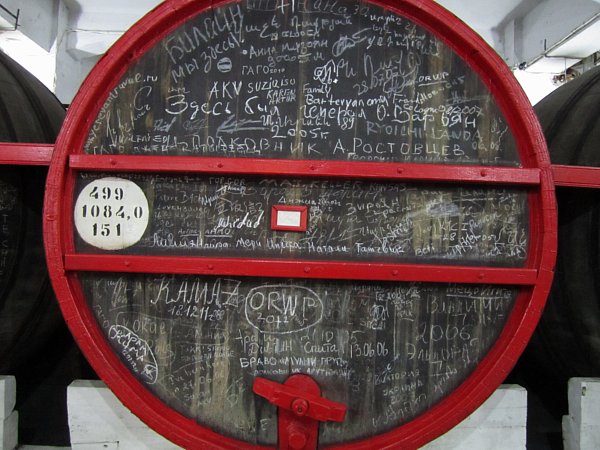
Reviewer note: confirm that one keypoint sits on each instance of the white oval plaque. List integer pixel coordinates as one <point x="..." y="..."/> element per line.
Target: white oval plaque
<point x="111" y="213"/>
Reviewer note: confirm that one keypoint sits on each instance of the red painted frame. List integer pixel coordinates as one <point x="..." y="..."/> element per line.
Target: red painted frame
<point x="303" y="210"/>
<point x="576" y="176"/>
<point x="283" y="268"/>
<point x="307" y="168"/>
<point x="24" y="154"/>
<point x="41" y="155"/>
<point x="63" y="260"/>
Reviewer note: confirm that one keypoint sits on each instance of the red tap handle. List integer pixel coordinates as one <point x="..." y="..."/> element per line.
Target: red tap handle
<point x="299" y="401"/>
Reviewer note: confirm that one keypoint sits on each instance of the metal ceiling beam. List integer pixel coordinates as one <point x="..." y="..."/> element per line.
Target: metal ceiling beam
<point x="530" y="37"/>
<point x="37" y="19"/>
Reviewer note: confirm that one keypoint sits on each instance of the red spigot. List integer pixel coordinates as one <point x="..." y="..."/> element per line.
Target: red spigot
<point x="301" y="408"/>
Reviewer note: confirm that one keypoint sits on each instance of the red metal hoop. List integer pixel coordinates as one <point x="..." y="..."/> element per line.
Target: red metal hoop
<point x="63" y="260"/>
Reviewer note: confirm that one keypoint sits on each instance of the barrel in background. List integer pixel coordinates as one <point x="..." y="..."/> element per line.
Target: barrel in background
<point x="566" y="343"/>
<point x="35" y="344"/>
<point x="28" y="113"/>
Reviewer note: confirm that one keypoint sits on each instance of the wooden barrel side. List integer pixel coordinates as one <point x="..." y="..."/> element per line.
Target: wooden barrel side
<point x="35" y="344"/>
<point x="566" y="343"/>
<point x="29" y="112"/>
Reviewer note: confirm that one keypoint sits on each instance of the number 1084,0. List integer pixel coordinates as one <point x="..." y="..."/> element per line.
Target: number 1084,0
<point x="107" y="211"/>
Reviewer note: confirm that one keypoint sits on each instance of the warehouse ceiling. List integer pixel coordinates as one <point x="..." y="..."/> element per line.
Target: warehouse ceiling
<point x="541" y="39"/>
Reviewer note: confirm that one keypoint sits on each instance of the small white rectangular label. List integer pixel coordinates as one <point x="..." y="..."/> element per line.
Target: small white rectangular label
<point x="289" y="218"/>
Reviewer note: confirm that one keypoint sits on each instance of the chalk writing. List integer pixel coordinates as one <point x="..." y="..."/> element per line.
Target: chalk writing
<point x="135" y="352"/>
<point x="281" y="80"/>
<point x="282" y="309"/>
<point x="348" y="219"/>
<point x="388" y="350"/>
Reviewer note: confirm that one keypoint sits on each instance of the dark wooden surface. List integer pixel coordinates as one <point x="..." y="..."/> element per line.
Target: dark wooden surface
<point x="389" y="351"/>
<point x="194" y="215"/>
<point x="319" y="82"/>
<point x="11" y="217"/>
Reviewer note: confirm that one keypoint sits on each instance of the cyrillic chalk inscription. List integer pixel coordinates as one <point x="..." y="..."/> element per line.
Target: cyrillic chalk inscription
<point x="195" y="215"/>
<point x="389" y="351"/>
<point x="303" y="80"/>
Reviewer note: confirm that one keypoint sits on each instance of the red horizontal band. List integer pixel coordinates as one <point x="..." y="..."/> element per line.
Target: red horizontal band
<point x="303" y="168"/>
<point x="26" y="154"/>
<point x="576" y="176"/>
<point x="299" y="269"/>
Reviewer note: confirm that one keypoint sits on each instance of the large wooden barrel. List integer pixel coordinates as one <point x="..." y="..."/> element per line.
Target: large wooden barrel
<point x="28" y="313"/>
<point x="567" y="341"/>
<point x="295" y="224"/>
<point x="35" y="344"/>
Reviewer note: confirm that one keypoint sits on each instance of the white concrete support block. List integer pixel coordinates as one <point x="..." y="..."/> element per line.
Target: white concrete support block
<point x="581" y="428"/>
<point x="9" y="419"/>
<point x="8" y="395"/>
<point x="500" y="423"/>
<point x="98" y="420"/>
<point x="9" y="432"/>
